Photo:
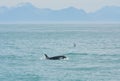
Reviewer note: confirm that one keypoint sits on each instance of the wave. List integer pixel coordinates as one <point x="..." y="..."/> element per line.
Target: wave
<point x="96" y="54"/>
<point x="76" y="54"/>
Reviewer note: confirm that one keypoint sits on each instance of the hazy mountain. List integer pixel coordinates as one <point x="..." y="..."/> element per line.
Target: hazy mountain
<point x="28" y="12"/>
<point x="110" y="13"/>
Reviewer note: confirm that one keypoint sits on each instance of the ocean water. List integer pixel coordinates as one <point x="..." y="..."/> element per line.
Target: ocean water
<point x="96" y="56"/>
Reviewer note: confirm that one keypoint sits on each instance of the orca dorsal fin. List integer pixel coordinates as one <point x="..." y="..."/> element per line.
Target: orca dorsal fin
<point x="46" y="56"/>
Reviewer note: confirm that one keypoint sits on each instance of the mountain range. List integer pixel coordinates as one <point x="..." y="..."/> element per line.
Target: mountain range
<point x="28" y="12"/>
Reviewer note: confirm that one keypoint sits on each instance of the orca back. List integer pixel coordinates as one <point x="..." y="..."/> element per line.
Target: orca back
<point x="55" y="57"/>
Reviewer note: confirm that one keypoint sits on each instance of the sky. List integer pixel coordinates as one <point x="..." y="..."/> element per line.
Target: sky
<point x="87" y="5"/>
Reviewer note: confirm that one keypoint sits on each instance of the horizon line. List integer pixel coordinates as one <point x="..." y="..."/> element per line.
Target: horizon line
<point x="62" y="22"/>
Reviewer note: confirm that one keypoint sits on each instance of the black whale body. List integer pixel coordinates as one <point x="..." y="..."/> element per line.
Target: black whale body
<point x="55" y="57"/>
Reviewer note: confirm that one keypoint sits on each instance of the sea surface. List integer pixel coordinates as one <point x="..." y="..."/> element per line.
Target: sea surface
<point x="96" y="56"/>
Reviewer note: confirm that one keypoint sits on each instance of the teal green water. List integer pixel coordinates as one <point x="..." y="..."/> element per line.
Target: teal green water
<point x="96" y="56"/>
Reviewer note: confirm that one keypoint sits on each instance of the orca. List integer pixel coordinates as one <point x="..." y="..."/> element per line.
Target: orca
<point x="74" y="45"/>
<point x="55" y="57"/>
